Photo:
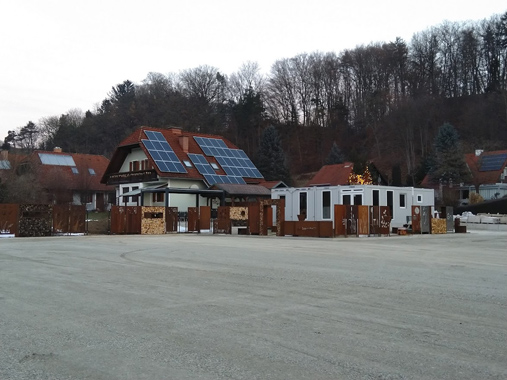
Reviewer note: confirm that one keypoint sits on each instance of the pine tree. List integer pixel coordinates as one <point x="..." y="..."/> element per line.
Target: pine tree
<point x="271" y="160"/>
<point x="449" y="166"/>
<point x="335" y="155"/>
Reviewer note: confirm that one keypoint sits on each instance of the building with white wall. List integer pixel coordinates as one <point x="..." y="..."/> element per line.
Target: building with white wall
<point x="317" y="202"/>
<point x="174" y="168"/>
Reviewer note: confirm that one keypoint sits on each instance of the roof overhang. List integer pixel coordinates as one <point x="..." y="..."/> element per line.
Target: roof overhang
<point x="243" y="190"/>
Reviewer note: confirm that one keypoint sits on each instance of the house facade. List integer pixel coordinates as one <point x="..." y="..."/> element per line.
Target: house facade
<point x="174" y="168"/>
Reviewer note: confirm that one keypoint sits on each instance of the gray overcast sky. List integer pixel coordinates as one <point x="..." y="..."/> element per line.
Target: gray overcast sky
<point x="57" y="55"/>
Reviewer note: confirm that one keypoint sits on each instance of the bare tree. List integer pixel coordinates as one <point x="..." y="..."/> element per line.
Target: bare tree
<point x="48" y="127"/>
<point x="247" y="77"/>
<point x="204" y="83"/>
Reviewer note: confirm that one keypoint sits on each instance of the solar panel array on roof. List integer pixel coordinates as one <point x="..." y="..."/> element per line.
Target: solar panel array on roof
<point x="235" y="162"/>
<point x="216" y="178"/>
<point x="162" y="153"/>
<point x="204" y="168"/>
<point x="492" y="162"/>
<point x="56" y="159"/>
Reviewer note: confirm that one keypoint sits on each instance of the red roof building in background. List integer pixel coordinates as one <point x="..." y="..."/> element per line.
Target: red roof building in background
<point x="488" y="176"/>
<point x="343" y="174"/>
<point x="332" y="175"/>
<point x="72" y="178"/>
<point x="487" y="167"/>
<point x="58" y="177"/>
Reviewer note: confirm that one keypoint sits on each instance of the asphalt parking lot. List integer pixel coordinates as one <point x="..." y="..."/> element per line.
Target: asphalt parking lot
<point x="191" y="306"/>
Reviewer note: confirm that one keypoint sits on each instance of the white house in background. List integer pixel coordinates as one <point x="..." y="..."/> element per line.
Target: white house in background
<point x="174" y="168"/>
<point x="317" y="202"/>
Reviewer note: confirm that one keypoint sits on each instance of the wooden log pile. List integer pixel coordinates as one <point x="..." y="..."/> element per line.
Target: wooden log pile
<point x="153" y="220"/>
<point x="438" y="226"/>
<point x="35" y="220"/>
<point x="238" y="213"/>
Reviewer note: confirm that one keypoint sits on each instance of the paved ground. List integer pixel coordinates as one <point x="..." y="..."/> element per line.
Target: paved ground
<point x="239" y="307"/>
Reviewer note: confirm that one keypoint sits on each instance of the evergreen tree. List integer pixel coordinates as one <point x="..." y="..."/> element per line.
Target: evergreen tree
<point x="335" y="155"/>
<point x="271" y="160"/>
<point x="449" y="166"/>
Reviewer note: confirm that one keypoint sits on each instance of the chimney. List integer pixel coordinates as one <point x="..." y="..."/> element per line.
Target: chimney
<point x="57" y="149"/>
<point x="184" y="143"/>
<point x="175" y="131"/>
<point x="478" y="152"/>
<point x="4" y="155"/>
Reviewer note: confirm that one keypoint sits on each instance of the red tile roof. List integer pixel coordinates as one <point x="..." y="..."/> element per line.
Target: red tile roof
<point x="172" y="136"/>
<point x="474" y="164"/>
<point x="54" y="176"/>
<point x="484" y="177"/>
<point x="333" y="175"/>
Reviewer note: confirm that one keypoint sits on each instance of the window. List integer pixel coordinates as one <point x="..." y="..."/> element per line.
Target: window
<point x="419" y="198"/>
<point x="302" y="203"/>
<point x="346" y="199"/>
<point x="86" y="198"/>
<point x="326" y="205"/>
<point x="214" y="166"/>
<point x="403" y="202"/>
<point x="375" y="197"/>
<point x="187" y="163"/>
<point x="74" y="170"/>
<point x="91" y="171"/>
<point x="124" y="191"/>
<point x="135" y="198"/>
<point x="390" y="202"/>
<point x="158" y="197"/>
<point x="358" y="199"/>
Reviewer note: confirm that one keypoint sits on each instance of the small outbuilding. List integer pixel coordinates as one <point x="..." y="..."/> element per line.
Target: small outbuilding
<point x="316" y="203"/>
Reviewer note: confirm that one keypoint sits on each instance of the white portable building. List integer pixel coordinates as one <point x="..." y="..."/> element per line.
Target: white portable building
<point x="317" y="202"/>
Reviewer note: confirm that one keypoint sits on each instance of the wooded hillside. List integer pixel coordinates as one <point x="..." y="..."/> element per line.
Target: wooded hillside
<point x="383" y="102"/>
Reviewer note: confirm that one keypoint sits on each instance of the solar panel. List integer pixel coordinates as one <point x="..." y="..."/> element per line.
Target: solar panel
<point x="200" y="163"/>
<point x="214" y="179"/>
<point x="492" y="162"/>
<point x="161" y="152"/>
<point x="204" y="167"/>
<point x="235" y="162"/>
<point x="56" y="159"/>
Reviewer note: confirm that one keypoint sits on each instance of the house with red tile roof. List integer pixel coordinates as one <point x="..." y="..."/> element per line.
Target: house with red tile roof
<point x="339" y="175"/>
<point x="72" y="178"/>
<point x="332" y="175"/>
<point x="489" y="174"/>
<point x="172" y="167"/>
